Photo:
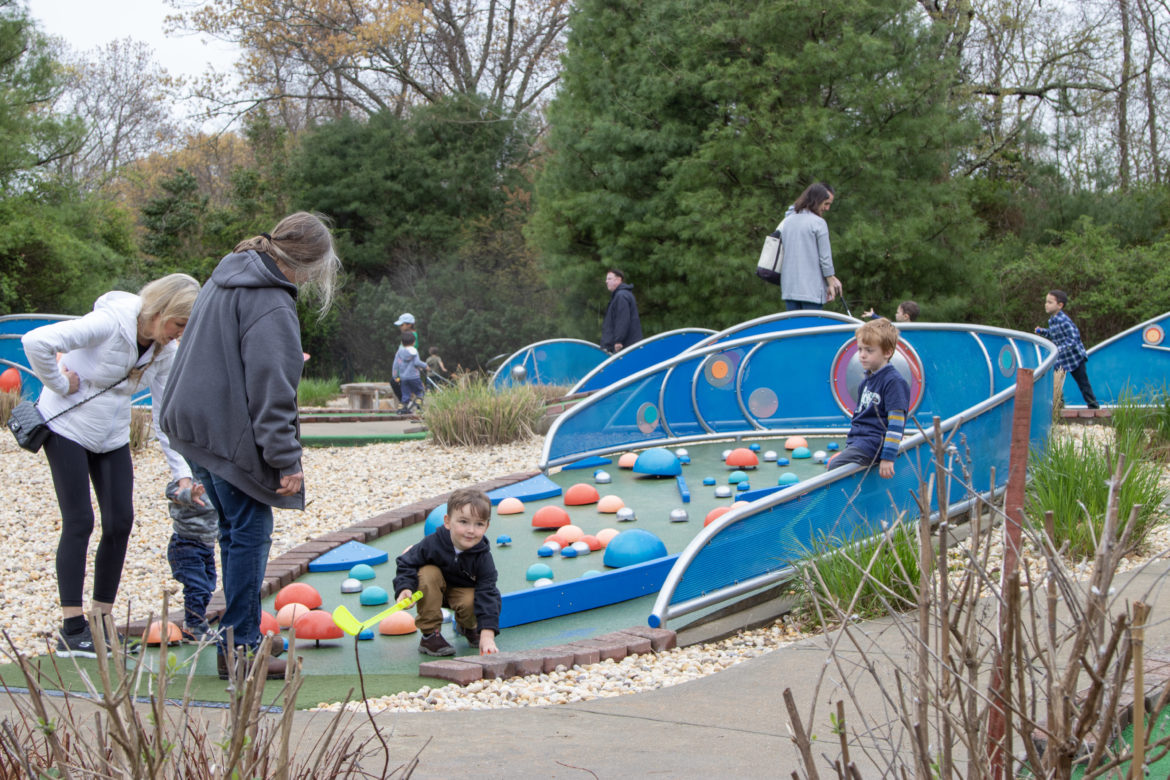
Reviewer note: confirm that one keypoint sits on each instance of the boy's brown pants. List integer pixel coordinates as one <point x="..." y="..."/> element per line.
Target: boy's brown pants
<point x="437" y="595"/>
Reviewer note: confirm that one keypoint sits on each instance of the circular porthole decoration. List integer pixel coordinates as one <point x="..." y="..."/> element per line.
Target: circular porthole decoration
<point x="1007" y="360"/>
<point x="719" y="369"/>
<point x="846" y="374"/>
<point x="763" y="402"/>
<point x="1153" y="335"/>
<point x="648" y="418"/>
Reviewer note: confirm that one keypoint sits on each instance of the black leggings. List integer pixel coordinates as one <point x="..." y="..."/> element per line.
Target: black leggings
<point x="112" y="474"/>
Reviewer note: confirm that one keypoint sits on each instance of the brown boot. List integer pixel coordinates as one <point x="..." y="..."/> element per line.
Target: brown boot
<point x="276" y="667"/>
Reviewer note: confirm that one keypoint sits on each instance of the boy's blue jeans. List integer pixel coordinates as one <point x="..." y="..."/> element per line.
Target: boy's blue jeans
<point x="245" y="536"/>
<point x="193" y="565"/>
<point x="411" y="388"/>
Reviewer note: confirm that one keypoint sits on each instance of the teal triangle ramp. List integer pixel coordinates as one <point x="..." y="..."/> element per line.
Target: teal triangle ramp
<point x="531" y="489"/>
<point x="347" y="556"/>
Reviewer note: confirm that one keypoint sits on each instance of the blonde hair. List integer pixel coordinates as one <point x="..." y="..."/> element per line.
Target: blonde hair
<point x="881" y="333"/>
<point x="303" y="243"/>
<point x="168" y="298"/>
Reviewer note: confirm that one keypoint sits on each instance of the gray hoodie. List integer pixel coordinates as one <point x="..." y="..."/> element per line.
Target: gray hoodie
<point x="231" y="403"/>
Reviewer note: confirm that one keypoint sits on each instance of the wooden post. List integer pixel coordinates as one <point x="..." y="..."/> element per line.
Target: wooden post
<point x="1013" y="508"/>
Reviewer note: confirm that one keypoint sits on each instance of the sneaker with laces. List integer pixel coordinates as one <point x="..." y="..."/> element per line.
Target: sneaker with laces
<point x="471" y="634"/>
<point x="200" y="632"/>
<point x="79" y="645"/>
<point x="435" y="644"/>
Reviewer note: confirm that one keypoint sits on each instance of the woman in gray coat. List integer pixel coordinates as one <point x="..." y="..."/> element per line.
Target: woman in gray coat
<point x="231" y="407"/>
<point x="808" y="279"/>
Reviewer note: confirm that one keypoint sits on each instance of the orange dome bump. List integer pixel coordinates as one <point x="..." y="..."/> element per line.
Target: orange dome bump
<point x="550" y="517"/>
<point x="605" y="534"/>
<point x="398" y="624"/>
<point x="715" y="514"/>
<point x="154" y="634"/>
<point x="792" y="442"/>
<point x="581" y="494"/>
<point x="510" y="506"/>
<point x="742" y="458"/>
<point x="570" y="533"/>
<point x="268" y="624"/>
<point x="317" y="624"/>
<point x="301" y="593"/>
<point x="628" y="460"/>
<point x="610" y="504"/>
<point x="593" y="542"/>
<point x="288" y="614"/>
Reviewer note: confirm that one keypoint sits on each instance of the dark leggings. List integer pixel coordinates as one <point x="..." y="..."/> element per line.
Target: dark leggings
<point x="112" y="473"/>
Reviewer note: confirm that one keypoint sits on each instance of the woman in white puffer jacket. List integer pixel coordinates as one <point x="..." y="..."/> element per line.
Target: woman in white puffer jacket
<point x="125" y="344"/>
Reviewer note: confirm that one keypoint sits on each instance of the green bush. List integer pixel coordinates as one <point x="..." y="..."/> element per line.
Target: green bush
<point x="471" y="412"/>
<point x="317" y="392"/>
<point x="833" y="573"/>
<point x="1070" y="480"/>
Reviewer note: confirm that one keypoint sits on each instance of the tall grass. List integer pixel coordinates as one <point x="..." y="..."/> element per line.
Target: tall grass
<point x="1069" y="478"/>
<point x="863" y="574"/>
<point x="470" y="412"/>
<point x="317" y="392"/>
<point x="1141" y="423"/>
<point x="140" y="427"/>
<point x="8" y="402"/>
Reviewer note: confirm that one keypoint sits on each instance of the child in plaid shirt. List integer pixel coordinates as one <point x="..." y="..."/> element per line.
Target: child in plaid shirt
<point x="1070" y="352"/>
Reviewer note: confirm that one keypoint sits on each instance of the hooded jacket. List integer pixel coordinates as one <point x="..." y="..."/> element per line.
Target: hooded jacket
<point x="621" y="325"/>
<point x="100" y="348"/>
<point x="232" y="403"/>
<point x="472" y="568"/>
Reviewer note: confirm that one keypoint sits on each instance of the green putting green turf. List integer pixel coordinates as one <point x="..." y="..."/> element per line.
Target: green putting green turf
<point x="390" y="663"/>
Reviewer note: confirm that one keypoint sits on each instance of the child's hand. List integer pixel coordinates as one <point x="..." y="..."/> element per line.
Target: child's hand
<point x="886" y="469"/>
<point x="487" y="642"/>
<point x="405" y="593"/>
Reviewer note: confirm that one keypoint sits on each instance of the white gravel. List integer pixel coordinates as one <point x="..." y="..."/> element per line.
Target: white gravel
<point x="343" y="484"/>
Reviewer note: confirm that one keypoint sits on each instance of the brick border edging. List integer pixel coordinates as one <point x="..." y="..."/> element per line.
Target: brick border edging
<point x="288" y="566"/>
<point x="636" y="640"/>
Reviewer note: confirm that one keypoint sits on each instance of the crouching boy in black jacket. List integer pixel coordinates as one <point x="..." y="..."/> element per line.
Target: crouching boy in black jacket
<point x="453" y="567"/>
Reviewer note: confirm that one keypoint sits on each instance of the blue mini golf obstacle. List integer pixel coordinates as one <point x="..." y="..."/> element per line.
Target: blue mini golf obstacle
<point x="762" y="379"/>
<point x="1134" y="363"/>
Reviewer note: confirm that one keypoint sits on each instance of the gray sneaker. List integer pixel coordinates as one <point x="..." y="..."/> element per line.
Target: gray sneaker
<point x="79" y="645"/>
<point x="435" y="644"/>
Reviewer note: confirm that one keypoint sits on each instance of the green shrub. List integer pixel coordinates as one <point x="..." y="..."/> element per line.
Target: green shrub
<point x="471" y="412"/>
<point x="1069" y="479"/>
<point x="317" y="392"/>
<point x="834" y="572"/>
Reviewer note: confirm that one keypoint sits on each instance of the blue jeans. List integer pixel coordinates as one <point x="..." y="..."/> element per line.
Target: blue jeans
<point x="791" y="305"/>
<point x="193" y="565"/>
<point x="411" y="388"/>
<point x="245" y="536"/>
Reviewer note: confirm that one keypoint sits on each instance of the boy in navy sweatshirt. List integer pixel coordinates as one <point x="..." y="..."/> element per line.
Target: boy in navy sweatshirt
<point x="453" y="567"/>
<point x="882" y="402"/>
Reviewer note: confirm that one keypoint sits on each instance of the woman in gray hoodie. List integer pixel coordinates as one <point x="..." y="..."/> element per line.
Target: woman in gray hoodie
<point x="231" y="407"/>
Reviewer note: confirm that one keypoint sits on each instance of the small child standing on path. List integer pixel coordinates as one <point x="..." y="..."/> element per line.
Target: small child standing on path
<point x="454" y="567"/>
<point x="407" y="370"/>
<point x="191" y="553"/>
<point x="1071" y="356"/>
<point x="883" y="400"/>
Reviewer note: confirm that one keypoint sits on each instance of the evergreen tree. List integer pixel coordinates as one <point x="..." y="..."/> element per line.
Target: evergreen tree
<point x="685" y="128"/>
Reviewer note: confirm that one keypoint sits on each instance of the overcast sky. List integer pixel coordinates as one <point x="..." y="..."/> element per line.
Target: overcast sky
<point x="88" y="24"/>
